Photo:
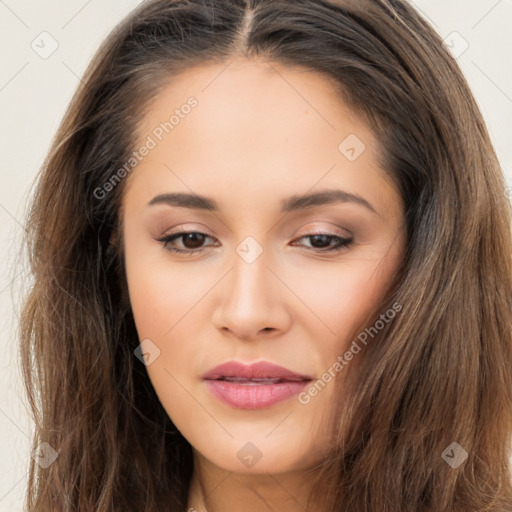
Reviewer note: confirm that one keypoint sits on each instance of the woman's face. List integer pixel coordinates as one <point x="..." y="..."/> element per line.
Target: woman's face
<point x="296" y="237"/>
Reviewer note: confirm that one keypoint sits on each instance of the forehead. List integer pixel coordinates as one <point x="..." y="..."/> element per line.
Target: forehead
<point x="255" y="125"/>
<point x="253" y="99"/>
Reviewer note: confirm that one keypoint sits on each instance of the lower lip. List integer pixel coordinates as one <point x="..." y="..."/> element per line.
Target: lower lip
<point x="254" y="396"/>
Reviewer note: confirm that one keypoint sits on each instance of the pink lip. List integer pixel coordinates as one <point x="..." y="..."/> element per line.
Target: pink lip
<point x="261" y="369"/>
<point x="254" y="386"/>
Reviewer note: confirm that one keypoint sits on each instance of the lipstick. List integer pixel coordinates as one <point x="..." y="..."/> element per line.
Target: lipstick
<point x="254" y="386"/>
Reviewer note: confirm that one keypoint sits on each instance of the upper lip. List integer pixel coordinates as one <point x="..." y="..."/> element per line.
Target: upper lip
<point x="259" y="370"/>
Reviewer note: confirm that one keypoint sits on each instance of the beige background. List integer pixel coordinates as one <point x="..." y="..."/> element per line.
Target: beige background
<point x="34" y="92"/>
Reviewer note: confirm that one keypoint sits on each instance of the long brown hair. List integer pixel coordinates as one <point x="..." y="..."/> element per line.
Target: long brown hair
<point x="441" y="371"/>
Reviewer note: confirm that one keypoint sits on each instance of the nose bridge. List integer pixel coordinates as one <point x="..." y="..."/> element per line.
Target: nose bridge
<point x="250" y="298"/>
<point x="249" y="282"/>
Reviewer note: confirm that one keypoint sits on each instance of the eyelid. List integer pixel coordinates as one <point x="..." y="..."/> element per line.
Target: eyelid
<point x="334" y="230"/>
<point x="187" y="228"/>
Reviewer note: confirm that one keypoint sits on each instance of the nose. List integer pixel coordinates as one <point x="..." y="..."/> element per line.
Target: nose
<point x="251" y="301"/>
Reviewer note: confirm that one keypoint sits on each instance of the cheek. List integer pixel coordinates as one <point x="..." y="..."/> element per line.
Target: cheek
<point x="167" y="305"/>
<point x="161" y="292"/>
<point x="160" y="300"/>
<point x="164" y="304"/>
<point x="339" y="298"/>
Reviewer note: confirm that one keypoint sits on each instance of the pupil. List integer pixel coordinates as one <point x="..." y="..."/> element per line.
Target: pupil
<point x="322" y="238"/>
<point x="195" y="238"/>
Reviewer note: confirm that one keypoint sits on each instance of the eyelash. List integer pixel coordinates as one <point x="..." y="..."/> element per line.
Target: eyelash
<point x="343" y="243"/>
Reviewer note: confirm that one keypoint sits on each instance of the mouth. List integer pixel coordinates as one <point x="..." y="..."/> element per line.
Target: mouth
<point x="256" y="386"/>
<point x="262" y="372"/>
<point x="261" y="381"/>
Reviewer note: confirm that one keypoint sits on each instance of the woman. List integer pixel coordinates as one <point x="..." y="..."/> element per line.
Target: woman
<point x="271" y="260"/>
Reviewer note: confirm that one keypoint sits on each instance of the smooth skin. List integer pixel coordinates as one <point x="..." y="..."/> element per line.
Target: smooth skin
<point x="260" y="133"/>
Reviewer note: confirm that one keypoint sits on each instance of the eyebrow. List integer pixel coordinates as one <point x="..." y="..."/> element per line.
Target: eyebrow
<point x="293" y="203"/>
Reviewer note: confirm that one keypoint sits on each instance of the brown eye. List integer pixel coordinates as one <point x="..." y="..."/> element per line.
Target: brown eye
<point x="191" y="241"/>
<point x="323" y="242"/>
